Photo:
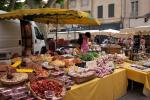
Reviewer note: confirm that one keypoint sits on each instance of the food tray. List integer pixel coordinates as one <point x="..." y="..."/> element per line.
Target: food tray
<point x="17" y="78"/>
<point x="80" y="80"/>
<point x="54" y="98"/>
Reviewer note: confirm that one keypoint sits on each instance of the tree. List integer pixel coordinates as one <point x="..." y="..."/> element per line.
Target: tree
<point x="4" y="4"/>
<point x="51" y="3"/>
<point x="11" y="5"/>
<point x="34" y="3"/>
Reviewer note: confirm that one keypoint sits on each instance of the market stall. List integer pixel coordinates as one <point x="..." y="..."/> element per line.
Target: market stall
<point x="139" y="34"/>
<point x="94" y="75"/>
<point x="110" y="87"/>
<point x="109" y="32"/>
<point x="141" y="30"/>
<point x="33" y="73"/>
<point x="52" y="16"/>
<point x="110" y="47"/>
<point x="139" y="74"/>
<point x="105" y="78"/>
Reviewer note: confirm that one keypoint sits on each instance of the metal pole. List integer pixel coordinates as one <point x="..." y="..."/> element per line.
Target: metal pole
<point x="89" y="27"/>
<point x="74" y="31"/>
<point x="56" y="30"/>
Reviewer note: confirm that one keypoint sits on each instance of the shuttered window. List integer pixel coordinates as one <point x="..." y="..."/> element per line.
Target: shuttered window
<point x="111" y="10"/>
<point x="100" y="11"/>
<point x="134" y="8"/>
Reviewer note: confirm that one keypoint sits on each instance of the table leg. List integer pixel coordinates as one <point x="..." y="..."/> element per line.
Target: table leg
<point x="132" y="82"/>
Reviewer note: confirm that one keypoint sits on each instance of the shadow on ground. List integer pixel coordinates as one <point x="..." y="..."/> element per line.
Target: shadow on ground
<point x="134" y="95"/>
<point x="134" y="92"/>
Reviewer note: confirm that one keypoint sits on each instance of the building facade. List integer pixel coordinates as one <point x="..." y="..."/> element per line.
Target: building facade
<point x="115" y="14"/>
<point x="136" y="13"/>
<point x="109" y="11"/>
<point x="83" y="5"/>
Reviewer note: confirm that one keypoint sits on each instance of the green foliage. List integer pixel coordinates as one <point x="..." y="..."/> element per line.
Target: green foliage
<point x="94" y="54"/>
<point x="4" y="4"/>
<point x="38" y="1"/>
<point x="61" y="2"/>
<point x="89" y="56"/>
<point x="19" y="5"/>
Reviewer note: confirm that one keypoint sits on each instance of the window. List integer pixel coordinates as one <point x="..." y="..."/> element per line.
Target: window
<point x="84" y="3"/>
<point x="134" y="8"/>
<point x="111" y="10"/>
<point x="100" y="11"/>
<point x="38" y="34"/>
<point x="72" y="3"/>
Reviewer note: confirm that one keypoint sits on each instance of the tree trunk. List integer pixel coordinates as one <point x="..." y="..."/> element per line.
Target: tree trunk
<point x="11" y="5"/>
<point x="66" y="4"/>
<point x="32" y="4"/>
<point x="50" y="3"/>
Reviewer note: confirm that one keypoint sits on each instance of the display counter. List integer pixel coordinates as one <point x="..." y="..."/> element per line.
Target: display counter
<point x="139" y="76"/>
<point x="111" y="48"/>
<point x="110" y="87"/>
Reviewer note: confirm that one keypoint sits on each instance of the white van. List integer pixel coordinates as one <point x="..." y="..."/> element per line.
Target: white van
<point x="16" y="35"/>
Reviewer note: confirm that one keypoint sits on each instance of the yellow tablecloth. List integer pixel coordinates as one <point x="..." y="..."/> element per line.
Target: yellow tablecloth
<point x="138" y="76"/>
<point x="135" y="75"/>
<point x="110" y="87"/>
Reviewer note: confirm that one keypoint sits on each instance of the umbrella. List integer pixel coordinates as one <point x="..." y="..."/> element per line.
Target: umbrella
<point x="52" y="15"/>
<point x="109" y="32"/>
<point x="141" y="30"/>
<point x="115" y="33"/>
<point x="122" y="35"/>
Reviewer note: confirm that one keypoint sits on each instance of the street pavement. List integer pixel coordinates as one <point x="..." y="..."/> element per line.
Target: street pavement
<point x="135" y="93"/>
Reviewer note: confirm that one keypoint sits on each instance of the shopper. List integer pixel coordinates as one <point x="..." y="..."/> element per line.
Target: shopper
<point x="89" y="39"/>
<point x="130" y="43"/>
<point x="84" y="46"/>
<point x="80" y="40"/>
<point x="136" y="45"/>
<point x="142" y="43"/>
<point x="51" y="45"/>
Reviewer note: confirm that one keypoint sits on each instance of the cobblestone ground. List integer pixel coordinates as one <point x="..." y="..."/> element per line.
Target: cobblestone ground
<point x="135" y="93"/>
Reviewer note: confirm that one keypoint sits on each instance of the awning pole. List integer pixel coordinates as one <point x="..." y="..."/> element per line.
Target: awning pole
<point x="56" y="30"/>
<point x="74" y="32"/>
<point x="89" y="27"/>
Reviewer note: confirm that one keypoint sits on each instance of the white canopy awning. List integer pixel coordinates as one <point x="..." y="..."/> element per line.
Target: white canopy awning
<point x="110" y="31"/>
<point x="93" y="32"/>
<point x="141" y="30"/>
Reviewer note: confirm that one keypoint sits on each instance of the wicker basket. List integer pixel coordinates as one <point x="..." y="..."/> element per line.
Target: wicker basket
<point x="18" y="78"/>
<point x="39" y="98"/>
<point x="80" y="80"/>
